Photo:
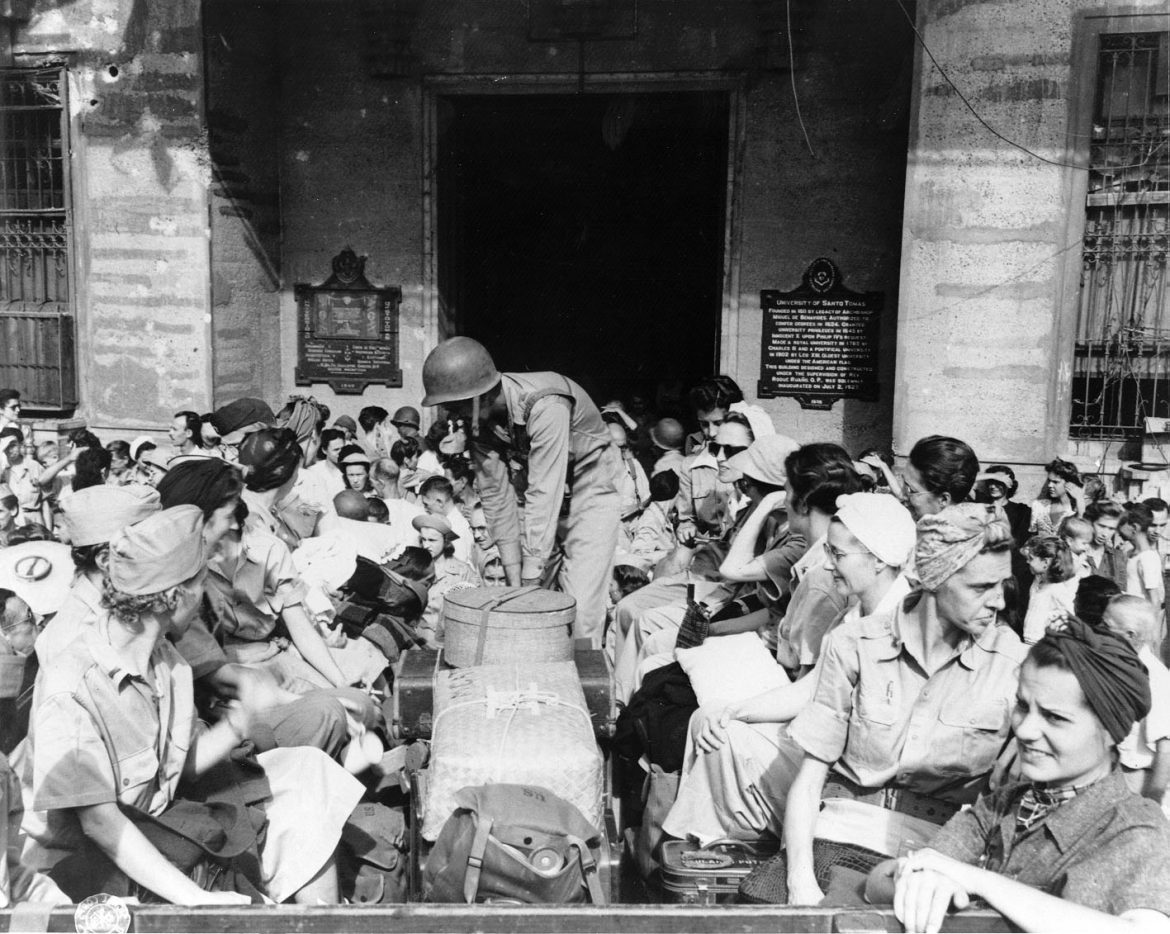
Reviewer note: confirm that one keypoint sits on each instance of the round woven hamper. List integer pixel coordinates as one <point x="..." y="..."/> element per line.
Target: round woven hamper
<point x="503" y="625"/>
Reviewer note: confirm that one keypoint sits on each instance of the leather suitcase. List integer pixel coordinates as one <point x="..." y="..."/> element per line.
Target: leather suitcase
<point x="410" y="709"/>
<point x="694" y="875"/>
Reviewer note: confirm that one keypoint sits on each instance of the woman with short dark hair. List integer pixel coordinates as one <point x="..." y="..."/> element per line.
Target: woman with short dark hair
<point x="1058" y="498"/>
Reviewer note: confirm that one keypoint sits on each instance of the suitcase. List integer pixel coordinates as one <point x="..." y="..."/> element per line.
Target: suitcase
<point x="694" y="875"/>
<point x="410" y="709"/>
<point x="524" y="724"/>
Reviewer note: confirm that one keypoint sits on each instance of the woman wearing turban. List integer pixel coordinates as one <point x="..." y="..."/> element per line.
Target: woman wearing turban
<point x="1072" y="848"/>
<point x="909" y="713"/>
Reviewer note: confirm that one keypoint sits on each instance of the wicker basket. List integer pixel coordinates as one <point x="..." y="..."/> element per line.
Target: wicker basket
<point x="505" y="625"/>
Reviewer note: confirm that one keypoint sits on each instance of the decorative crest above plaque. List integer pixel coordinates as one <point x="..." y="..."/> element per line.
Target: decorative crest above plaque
<point x="819" y="342"/>
<point x="347" y="330"/>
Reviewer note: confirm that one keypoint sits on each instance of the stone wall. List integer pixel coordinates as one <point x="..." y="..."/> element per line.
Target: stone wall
<point x="990" y="250"/>
<point x="140" y="178"/>
<point x="243" y="98"/>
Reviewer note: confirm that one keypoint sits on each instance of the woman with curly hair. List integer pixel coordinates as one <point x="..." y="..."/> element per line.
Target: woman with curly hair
<point x="1058" y="498"/>
<point x="115" y="732"/>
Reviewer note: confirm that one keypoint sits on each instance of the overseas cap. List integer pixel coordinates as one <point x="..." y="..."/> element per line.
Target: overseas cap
<point x="159" y="552"/>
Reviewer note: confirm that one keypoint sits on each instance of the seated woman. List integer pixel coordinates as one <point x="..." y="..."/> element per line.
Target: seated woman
<point x="252" y="585"/>
<point x="1071" y="848"/>
<point x="114" y="733"/>
<point x="909" y="713"/>
<point x="740" y="762"/>
<point x="436" y="536"/>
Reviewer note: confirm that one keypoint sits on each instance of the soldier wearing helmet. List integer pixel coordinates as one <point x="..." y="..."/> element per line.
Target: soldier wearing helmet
<point x="549" y="422"/>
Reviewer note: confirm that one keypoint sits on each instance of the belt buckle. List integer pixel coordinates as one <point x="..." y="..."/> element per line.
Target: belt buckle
<point x="890" y="798"/>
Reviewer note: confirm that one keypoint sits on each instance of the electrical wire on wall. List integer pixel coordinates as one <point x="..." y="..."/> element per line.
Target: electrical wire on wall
<point x="971" y="107"/>
<point x="792" y="77"/>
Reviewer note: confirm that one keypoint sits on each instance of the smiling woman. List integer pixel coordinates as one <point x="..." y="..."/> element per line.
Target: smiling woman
<point x="1072" y="848"/>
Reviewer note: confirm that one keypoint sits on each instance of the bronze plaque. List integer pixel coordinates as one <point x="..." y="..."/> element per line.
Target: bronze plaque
<point x="819" y="342"/>
<point x="348" y="338"/>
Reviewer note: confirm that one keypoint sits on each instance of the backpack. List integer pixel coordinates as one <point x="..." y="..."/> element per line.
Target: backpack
<point x="516" y="843"/>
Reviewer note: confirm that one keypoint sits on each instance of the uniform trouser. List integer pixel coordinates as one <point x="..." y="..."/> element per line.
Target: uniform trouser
<point x="590" y="539"/>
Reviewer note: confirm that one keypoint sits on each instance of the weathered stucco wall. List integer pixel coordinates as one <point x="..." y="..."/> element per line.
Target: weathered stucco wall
<point x="140" y="202"/>
<point x="353" y="153"/>
<point x="990" y="248"/>
<point x="242" y="64"/>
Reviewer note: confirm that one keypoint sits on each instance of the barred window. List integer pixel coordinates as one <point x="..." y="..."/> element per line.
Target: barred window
<point x="1121" y="373"/>
<point x="36" y="294"/>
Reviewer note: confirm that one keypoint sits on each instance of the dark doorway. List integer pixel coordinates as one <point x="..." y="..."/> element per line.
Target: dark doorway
<point x="584" y="234"/>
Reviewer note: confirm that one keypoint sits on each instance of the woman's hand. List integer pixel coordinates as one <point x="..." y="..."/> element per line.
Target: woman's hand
<point x="924" y="890"/>
<point x="804" y="891"/>
<point x="713" y="732"/>
<point x="334" y="638"/>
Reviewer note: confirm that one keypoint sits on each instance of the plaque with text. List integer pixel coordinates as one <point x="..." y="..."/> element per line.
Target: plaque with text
<point x="819" y="342"/>
<point x="348" y="338"/>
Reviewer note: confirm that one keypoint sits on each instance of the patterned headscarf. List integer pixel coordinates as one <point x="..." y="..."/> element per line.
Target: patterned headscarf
<point x="948" y="540"/>
<point x="1112" y="677"/>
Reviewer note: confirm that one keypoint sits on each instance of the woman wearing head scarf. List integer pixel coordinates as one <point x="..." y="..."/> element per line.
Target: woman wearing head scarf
<point x="271" y="461"/>
<point x="1071" y="848"/>
<point x="115" y="731"/>
<point x="740" y="761"/>
<point x="909" y="713"/>
<point x="252" y="583"/>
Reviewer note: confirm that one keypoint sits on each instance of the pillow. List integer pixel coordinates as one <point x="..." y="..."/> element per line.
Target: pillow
<point x="726" y="669"/>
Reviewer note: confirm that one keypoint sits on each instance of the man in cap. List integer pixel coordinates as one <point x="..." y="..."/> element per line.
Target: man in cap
<point x="550" y="422"/>
<point x="355" y="466"/>
<point x="237" y="419"/>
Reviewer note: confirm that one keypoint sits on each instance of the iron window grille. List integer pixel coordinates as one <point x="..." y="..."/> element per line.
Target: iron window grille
<point x="1121" y="372"/>
<point x="36" y="292"/>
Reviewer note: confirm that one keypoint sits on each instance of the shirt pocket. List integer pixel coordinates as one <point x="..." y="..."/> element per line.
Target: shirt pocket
<point x="873" y="730"/>
<point x="702" y="484"/>
<point x="973" y="734"/>
<point x="137" y="777"/>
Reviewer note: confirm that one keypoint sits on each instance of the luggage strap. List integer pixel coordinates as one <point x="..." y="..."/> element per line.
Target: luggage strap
<point x="485" y="612"/>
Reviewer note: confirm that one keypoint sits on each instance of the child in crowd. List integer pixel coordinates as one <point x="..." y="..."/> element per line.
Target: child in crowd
<point x="1054" y="584"/>
<point x="1145" y="752"/>
<point x="1143" y="576"/>
<point x="1077" y="534"/>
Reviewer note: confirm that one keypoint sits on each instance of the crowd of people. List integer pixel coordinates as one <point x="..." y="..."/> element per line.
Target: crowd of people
<point x="929" y="692"/>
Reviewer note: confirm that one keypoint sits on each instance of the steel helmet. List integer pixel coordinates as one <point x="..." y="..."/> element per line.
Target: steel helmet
<point x="459" y="368"/>
<point x="407" y="415"/>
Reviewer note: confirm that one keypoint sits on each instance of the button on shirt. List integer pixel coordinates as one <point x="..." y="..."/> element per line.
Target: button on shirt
<point x="1106" y="848"/>
<point x="101" y="734"/>
<point x="884" y="720"/>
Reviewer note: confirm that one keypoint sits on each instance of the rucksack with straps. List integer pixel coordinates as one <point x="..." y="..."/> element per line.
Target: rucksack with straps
<point x="516" y="843"/>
